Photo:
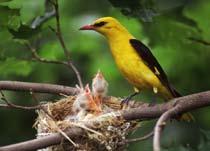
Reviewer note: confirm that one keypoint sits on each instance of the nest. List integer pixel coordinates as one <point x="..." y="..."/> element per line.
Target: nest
<point x="104" y="132"/>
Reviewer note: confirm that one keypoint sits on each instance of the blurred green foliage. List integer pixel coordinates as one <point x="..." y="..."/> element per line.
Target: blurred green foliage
<point x="168" y="27"/>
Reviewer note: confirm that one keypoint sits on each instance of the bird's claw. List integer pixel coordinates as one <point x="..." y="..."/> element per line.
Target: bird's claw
<point x="125" y="101"/>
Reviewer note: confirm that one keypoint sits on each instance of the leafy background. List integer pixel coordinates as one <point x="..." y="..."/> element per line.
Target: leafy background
<point x="167" y="27"/>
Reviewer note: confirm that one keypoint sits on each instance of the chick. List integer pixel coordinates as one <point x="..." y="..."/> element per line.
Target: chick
<point x="99" y="88"/>
<point x="84" y="104"/>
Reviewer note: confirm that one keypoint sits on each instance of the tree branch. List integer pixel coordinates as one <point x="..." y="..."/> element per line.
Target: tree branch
<point x="37" y="87"/>
<point x="144" y="111"/>
<point x="187" y="103"/>
<point x="160" y="125"/>
<point x="52" y="139"/>
<point x="63" y="45"/>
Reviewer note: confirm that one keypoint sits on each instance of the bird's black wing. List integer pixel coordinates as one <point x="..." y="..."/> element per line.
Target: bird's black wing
<point x="144" y="52"/>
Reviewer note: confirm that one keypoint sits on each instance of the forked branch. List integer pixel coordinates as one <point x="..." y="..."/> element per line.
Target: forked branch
<point x="144" y="111"/>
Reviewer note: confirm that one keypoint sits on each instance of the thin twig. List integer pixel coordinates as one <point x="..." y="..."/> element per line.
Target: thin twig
<point x="12" y="105"/>
<point x="41" y="106"/>
<point x="147" y="136"/>
<point x="160" y="125"/>
<point x="36" y="57"/>
<point x="86" y="128"/>
<point x="61" y="40"/>
<point x="58" y="30"/>
<point x="201" y="41"/>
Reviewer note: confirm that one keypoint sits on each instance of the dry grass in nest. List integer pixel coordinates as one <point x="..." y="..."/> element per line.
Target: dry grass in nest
<point x="103" y="132"/>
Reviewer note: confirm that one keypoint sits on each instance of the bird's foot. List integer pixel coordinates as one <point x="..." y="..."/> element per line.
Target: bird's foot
<point x="127" y="99"/>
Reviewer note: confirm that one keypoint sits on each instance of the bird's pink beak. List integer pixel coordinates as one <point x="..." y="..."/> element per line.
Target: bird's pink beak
<point x="87" y="27"/>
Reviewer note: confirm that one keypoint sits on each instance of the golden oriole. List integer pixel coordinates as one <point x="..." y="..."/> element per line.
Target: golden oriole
<point x="134" y="59"/>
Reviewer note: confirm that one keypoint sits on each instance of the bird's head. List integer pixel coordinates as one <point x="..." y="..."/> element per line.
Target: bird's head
<point x="108" y="26"/>
<point x="99" y="85"/>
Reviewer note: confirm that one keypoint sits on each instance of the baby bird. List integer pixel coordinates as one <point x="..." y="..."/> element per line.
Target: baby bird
<point x="85" y="104"/>
<point x="99" y="88"/>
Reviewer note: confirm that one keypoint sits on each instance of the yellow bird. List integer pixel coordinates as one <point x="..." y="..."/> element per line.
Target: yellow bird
<point x="135" y="61"/>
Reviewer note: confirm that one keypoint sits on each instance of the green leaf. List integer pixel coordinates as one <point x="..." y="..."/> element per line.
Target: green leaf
<point x="12" y="66"/>
<point x="7" y="14"/>
<point x="52" y="51"/>
<point x="29" y="9"/>
<point x="147" y="10"/>
<point x="135" y="8"/>
<point x="199" y="12"/>
<point x="169" y="40"/>
<point x="24" y="32"/>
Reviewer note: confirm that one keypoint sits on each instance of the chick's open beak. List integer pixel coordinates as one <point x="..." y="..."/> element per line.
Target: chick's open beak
<point x="87" y="27"/>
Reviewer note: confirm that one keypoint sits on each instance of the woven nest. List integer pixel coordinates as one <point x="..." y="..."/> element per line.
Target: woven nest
<point x="103" y="132"/>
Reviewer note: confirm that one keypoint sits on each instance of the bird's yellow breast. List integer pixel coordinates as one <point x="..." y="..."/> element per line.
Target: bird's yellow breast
<point x="132" y="66"/>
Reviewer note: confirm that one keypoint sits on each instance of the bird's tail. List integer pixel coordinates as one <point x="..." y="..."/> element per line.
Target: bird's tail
<point x="174" y="92"/>
<point x="186" y="116"/>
